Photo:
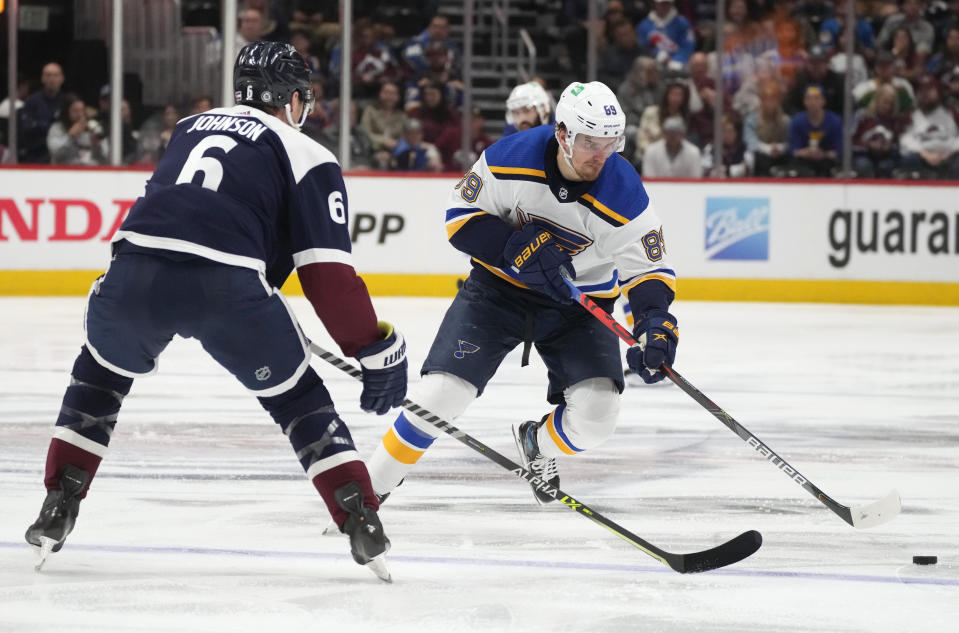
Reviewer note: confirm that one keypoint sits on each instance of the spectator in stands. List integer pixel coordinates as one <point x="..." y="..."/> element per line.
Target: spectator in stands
<point x="441" y="124"/>
<point x="837" y="63"/>
<point x="950" y="88"/>
<point x="815" y="137"/>
<point x="129" y="136"/>
<point x="360" y="147"/>
<point x="276" y="22"/>
<point x="748" y="47"/>
<point x="945" y="61"/>
<point x="322" y="114"/>
<point x="6" y="107"/>
<point x="668" y="35"/>
<point x="38" y="113"/>
<point x="300" y="40"/>
<point x="479" y="140"/>
<point x="930" y="142"/>
<point x="792" y="37"/>
<point x="440" y="69"/>
<point x="766" y="131"/>
<point x="527" y="106"/>
<point x="640" y="89"/>
<point x="832" y="27"/>
<point x="251" y="28"/>
<point x="733" y="151"/>
<point x="907" y="62"/>
<point x="673" y="156"/>
<point x="383" y="123"/>
<point x="910" y="17"/>
<point x="817" y="73"/>
<point x="875" y="141"/>
<point x="617" y="58"/>
<point x="200" y="103"/>
<point x="674" y="103"/>
<point x="815" y="12"/>
<point x="74" y="139"/>
<point x="438" y="32"/>
<point x="372" y="63"/>
<point x="412" y="153"/>
<point x="170" y="117"/>
<point x="885" y="74"/>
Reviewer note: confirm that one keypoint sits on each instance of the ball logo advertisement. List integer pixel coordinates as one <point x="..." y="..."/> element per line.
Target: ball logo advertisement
<point x="737" y="228"/>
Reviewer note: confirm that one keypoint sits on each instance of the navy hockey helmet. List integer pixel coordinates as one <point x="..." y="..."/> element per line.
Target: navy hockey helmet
<point x="266" y="74"/>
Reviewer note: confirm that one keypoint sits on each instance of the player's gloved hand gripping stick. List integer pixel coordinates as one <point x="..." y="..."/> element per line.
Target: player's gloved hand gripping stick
<point x="863" y="516"/>
<point x="384" y="371"/>
<point x="538" y="262"/>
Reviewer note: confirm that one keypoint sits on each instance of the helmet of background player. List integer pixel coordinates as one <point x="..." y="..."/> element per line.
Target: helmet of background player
<point x="528" y="95"/>
<point x="590" y="109"/>
<point x="266" y="75"/>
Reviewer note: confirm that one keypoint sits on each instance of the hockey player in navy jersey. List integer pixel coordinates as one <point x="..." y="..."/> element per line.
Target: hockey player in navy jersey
<point x="239" y="199"/>
<point x="553" y="200"/>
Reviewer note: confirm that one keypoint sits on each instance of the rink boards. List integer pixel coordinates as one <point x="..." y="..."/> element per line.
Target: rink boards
<point x="822" y="241"/>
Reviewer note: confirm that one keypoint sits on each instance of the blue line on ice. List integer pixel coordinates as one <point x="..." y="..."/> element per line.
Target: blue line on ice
<point x="496" y="562"/>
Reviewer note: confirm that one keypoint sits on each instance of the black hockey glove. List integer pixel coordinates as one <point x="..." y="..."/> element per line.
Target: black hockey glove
<point x="384" y="371"/>
<point x="536" y="260"/>
<point x="658" y="336"/>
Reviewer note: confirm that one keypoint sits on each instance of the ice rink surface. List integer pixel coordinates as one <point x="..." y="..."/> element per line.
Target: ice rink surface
<point x="200" y="518"/>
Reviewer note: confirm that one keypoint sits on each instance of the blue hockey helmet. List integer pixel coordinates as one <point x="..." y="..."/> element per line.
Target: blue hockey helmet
<point x="266" y="74"/>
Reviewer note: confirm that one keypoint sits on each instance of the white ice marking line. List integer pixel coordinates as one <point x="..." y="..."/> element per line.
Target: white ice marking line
<point x="494" y="562"/>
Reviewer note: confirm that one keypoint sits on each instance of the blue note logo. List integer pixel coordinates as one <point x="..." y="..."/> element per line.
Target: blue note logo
<point x="737" y="228"/>
<point x="465" y="348"/>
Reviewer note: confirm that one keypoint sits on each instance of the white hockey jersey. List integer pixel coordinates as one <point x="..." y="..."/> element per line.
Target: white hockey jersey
<point x="607" y="226"/>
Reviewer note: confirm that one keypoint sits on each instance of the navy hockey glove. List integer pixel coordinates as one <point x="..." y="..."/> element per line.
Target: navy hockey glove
<point x="536" y="260"/>
<point x="658" y="336"/>
<point x="384" y="371"/>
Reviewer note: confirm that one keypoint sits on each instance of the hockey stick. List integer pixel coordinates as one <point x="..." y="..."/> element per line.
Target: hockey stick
<point x="863" y="516"/>
<point x="726" y="554"/>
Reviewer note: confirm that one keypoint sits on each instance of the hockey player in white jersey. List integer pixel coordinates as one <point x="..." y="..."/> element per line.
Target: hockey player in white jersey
<point x="528" y="105"/>
<point x="539" y="204"/>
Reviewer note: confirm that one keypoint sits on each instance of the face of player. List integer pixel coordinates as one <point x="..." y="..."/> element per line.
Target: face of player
<point x="525" y="118"/>
<point x="590" y="154"/>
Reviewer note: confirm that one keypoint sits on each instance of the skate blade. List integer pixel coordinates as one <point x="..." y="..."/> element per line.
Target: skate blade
<point x="377" y="565"/>
<point x="43" y="551"/>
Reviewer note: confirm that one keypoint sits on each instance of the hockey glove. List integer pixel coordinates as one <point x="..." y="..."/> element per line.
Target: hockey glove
<point x="658" y="336"/>
<point x="384" y="371"/>
<point x="536" y="260"/>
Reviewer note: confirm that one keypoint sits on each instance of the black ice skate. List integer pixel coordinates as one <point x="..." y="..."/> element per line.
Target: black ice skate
<point x="368" y="542"/>
<point x="333" y="528"/>
<point x="546" y="476"/>
<point x="58" y="514"/>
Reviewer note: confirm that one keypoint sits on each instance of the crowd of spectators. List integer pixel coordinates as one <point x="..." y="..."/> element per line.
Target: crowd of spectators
<point x="783" y="65"/>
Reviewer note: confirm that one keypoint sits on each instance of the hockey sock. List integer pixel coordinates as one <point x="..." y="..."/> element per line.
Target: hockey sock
<point x="398" y="452"/>
<point x="552" y="437"/>
<point x="321" y="440"/>
<point x="86" y="421"/>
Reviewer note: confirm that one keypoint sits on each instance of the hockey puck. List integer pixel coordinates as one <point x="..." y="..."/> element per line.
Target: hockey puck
<point x="924" y="560"/>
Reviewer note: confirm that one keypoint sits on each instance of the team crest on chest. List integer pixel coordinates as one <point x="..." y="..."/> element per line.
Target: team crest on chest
<point x="567" y="239"/>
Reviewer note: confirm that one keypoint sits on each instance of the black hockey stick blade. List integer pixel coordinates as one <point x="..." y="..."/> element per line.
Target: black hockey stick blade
<point x="863" y="516"/>
<point x="727" y="553"/>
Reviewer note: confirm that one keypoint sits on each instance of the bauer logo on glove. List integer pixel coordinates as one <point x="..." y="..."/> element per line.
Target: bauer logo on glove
<point x="658" y="336"/>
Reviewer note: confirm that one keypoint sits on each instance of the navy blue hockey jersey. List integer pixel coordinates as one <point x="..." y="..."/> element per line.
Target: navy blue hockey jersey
<point x="241" y="187"/>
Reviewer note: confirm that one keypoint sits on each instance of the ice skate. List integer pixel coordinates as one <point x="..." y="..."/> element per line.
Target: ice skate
<point x="546" y="475"/>
<point x="332" y="528"/>
<point x="368" y="542"/>
<point x="57" y="515"/>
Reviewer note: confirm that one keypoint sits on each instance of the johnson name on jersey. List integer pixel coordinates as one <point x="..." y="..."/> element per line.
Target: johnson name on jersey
<point x="241" y="187"/>
<point x="607" y="226"/>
